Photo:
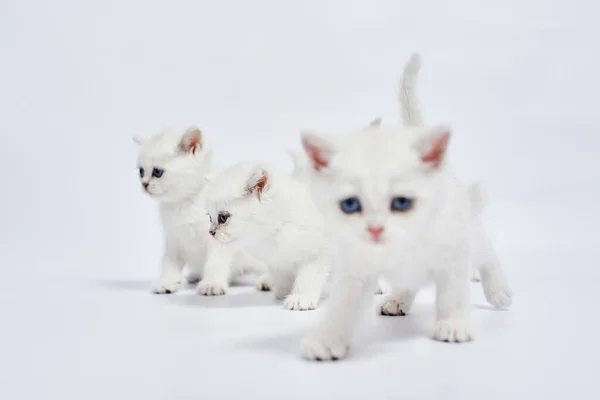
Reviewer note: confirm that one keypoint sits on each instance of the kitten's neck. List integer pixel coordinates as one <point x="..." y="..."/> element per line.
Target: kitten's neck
<point x="190" y="198"/>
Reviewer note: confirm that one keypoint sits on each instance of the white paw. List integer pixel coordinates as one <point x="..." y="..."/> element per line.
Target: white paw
<point x="300" y="302"/>
<point x="264" y="284"/>
<point x="452" y="330"/>
<point x="324" y="348"/>
<point x="475" y="277"/>
<point x="393" y="307"/>
<point x="497" y="293"/>
<point x="192" y="279"/>
<point x="165" y="285"/>
<point x="211" y="289"/>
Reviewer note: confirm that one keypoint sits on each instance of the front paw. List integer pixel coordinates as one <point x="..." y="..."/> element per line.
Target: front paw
<point x="165" y="285"/>
<point x="324" y="348"/>
<point x="211" y="289"/>
<point x="452" y="330"/>
<point x="497" y="293"/>
<point x="300" y="302"/>
<point x="193" y="278"/>
<point x="263" y="284"/>
<point x="393" y="307"/>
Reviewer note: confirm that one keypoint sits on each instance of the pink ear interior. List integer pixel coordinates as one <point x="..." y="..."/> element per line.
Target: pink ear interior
<point x="436" y="149"/>
<point x="191" y="141"/>
<point x="318" y="153"/>
<point x="259" y="184"/>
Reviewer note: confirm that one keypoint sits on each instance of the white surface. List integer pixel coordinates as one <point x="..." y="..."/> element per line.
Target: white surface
<point x="79" y="242"/>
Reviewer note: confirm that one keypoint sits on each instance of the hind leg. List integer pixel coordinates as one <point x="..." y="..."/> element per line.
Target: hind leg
<point x="495" y="285"/>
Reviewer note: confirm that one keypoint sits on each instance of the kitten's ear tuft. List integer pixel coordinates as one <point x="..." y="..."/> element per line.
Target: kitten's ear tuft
<point x="138" y="139"/>
<point x="433" y="144"/>
<point x="318" y="150"/>
<point x="191" y="140"/>
<point x="257" y="182"/>
<point x="375" y="123"/>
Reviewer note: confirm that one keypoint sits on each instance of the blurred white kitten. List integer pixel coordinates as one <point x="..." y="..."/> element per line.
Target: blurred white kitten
<point x="397" y="210"/>
<point x="411" y="116"/>
<point x="270" y="215"/>
<point x="172" y="167"/>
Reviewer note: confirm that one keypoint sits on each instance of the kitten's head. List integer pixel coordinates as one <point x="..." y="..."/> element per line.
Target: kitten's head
<point x="301" y="161"/>
<point x="172" y="164"/>
<point x="377" y="187"/>
<point x="235" y="203"/>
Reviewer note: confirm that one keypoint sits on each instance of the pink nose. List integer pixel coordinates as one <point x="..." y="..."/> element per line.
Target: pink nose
<point x="145" y="185"/>
<point x="375" y="231"/>
<point x="212" y="233"/>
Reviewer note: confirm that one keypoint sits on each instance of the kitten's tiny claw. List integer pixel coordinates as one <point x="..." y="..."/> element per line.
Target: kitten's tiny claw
<point x="166" y="286"/>
<point x="323" y="348"/>
<point x="210" y="289"/>
<point x="300" y="302"/>
<point x="453" y="331"/>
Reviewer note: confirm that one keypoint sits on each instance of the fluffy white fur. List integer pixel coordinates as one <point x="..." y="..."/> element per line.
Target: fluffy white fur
<point x="185" y="160"/>
<point x="270" y="215"/>
<point x="436" y="240"/>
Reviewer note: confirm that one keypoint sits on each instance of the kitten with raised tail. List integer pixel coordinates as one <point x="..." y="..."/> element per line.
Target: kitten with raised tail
<point x="397" y="210"/>
<point x="270" y="215"/>
<point x="172" y="167"/>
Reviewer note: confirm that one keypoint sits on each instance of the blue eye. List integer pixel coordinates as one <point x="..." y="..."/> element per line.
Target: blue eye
<point x="141" y="172"/>
<point x="157" y="172"/>
<point x="350" y="205"/>
<point x="223" y="218"/>
<point x="401" y="204"/>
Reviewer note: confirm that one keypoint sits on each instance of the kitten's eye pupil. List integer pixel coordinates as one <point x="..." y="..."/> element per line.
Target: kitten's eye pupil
<point x="401" y="204"/>
<point x="141" y="172"/>
<point x="223" y="218"/>
<point x="157" y="172"/>
<point x="351" y="205"/>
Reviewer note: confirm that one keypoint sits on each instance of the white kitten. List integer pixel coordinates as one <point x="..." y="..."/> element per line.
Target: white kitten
<point x="172" y="167"/>
<point x="397" y="210"/>
<point x="272" y="216"/>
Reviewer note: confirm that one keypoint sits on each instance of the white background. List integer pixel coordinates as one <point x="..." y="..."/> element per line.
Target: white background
<point x="518" y="80"/>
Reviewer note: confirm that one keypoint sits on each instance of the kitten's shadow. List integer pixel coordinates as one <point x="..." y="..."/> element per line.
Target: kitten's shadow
<point x="372" y="340"/>
<point x="230" y="300"/>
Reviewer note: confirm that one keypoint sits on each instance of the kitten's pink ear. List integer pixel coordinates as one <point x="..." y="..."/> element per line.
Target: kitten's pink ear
<point x="433" y="144"/>
<point x="257" y="182"/>
<point x="191" y="140"/>
<point x="318" y="150"/>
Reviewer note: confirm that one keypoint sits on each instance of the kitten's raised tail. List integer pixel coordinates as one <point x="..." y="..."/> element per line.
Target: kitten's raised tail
<point x="409" y="104"/>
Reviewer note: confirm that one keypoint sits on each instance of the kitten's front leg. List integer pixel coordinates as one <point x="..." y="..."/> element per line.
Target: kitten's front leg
<point x="216" y="271"/>
<point x="170" y="277"/>
<point x="308" y="286"/>
<point x="330" y="341"/>
<point x="452" y="303"/>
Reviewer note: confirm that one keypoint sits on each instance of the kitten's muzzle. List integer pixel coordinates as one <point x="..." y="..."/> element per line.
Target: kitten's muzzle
<point x="212" y="233"/>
